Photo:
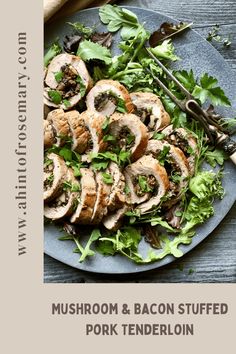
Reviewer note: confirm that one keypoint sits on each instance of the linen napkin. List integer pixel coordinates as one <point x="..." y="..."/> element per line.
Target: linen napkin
<point x="54" y="9"/>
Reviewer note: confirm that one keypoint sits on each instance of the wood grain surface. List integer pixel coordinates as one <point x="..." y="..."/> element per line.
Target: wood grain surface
<point x="214" y="260"/>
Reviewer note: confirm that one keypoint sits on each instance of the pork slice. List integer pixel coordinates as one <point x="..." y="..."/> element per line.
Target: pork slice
<point x="60" y="125"/>
<point x="184" y="140"/>
<point x="93" y="122"/>
<point x="101" y="204"/>
<point x="133" y="124"/>
<point x="79" y="132"/>
<point x="49" y="137"/>
<point x="114" y="220"/>
<point x="150" y="109"/>
<point x="51" y="83"/>
<point x="58" y="171"/>
<point x="117" y="195"/>
<point x="178" y="163"/>
<point x="66" y="202"/>
<point x="84" y="211"/>
<point x="147" y="166"/>
<point x="109" y="86"/>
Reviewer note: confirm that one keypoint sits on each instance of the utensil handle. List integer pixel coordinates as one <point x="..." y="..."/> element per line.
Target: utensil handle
<point x="233" y="158"/>
<point x="229" y="146"/>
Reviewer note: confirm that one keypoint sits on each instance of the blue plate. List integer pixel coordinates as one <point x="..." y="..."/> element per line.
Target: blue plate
<point x="196" y="53"/>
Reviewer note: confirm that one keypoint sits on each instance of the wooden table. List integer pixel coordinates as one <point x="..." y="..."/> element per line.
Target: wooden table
<point x="214" y="260"/>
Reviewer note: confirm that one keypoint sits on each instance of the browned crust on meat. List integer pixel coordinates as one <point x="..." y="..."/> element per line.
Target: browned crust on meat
<point x="59" y="122"/>
<point x="48" y="134"/>
<point x="84" y="211"/>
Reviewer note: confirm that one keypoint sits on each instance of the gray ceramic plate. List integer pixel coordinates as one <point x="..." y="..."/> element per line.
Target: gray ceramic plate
<point x="196" y="53"/>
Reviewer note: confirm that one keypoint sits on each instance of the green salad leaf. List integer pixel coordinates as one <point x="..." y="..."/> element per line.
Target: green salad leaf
<point x="208" y="90"/>
<point x="165" y="50"/>
<point x="216" y="156"/>
<point x="89" y="50"/>
<point x="54" y="50"/>
<point x="117" y="18"/>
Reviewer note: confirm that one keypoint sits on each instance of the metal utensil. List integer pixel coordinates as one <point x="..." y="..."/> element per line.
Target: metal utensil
<point x="216" y="133"/>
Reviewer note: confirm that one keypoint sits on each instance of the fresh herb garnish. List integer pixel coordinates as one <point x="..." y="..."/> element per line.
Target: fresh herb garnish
<point x="165" y="50"/>
<point x="47" y="162"/>
<point x="143" y="184"/>
<point x="130" y="139"/>
<point x="54" y="50"/>
<point x="73" y="187"/>
<point x="216" y="156"/>
<point x="95" y="235"/>
<point x="82" y="88"/>
<point x="58" y="76"/>
<point x="121" y="107"/>
<point x="214" y="35"/>
<point x="107" y="178"/>
<point x="101" y="160"/>
<point x="163" y="155"/>
<point x="55" y="96"/>
<point x="66" y="103"/>
<point x="50" y="178"/>
<point x="109" y="137"/>
<point x="117" y="18"/>
<point x="106" y="123"/>
<point x="88" y="51"/>
<point x="207" y="89"/>
<point x="82" y="29"/>
<point x="158" y="136"/>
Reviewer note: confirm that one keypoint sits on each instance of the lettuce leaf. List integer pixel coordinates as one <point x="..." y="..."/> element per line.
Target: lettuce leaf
<point x="89" y="50"/>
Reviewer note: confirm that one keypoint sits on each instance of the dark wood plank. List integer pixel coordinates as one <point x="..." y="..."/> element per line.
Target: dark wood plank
<point x="197" y="11"/>
<point x="214" y="260"/>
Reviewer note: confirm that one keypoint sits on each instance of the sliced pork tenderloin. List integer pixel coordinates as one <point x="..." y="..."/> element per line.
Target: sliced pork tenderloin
<point x="60" y="126"/>
<point x="114" y="220"/>
<point x="93" y="122"/>
<point x="107" y="96"/>
<point x="176" y="165"/>
<point x="55" y="171"/>
<point x="131" y="134"/>
<point x="79" y="132"/>
<point x="66" y="82"/>
<point x="184" y="140"/>
<point x="117" y="195"/>
<point x="67" y="201"/>
<point x="147" y="181"/>
<point x="101" y="204"/>
<point x="49" y="134"/>
<point x="150" y="109"/>
<point x="84" y="211"/>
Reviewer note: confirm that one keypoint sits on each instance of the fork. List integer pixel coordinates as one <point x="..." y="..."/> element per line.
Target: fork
<point x="216" y="133"/>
